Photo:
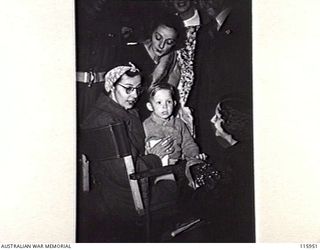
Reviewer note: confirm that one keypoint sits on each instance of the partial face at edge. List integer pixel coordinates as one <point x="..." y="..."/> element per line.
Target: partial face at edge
<point x="217" y="121"/>
<point x="182" y="5"/>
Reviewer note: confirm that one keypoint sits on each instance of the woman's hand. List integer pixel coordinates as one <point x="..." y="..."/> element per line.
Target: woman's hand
<point x="163" y="147"/>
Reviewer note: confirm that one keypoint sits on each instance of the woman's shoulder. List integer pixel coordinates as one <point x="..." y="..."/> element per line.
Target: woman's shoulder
<point x="98" y="118"/>
<point x="103" y="113"/>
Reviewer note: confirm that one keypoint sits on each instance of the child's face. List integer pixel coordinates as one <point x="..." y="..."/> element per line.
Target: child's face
<point x="162" y="104"/>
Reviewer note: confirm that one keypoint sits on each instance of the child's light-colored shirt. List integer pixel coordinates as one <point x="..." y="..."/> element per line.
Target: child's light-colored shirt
<point x="184" y="146"/>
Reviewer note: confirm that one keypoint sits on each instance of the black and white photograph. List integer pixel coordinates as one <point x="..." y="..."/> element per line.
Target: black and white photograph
<point x="164" y="121"/>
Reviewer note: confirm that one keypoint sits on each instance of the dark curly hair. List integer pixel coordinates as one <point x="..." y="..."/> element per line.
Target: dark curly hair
<point x="170" y="20"/>
<point x="236" y="113"/>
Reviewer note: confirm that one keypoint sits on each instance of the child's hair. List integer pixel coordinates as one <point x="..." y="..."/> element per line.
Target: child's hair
<point x="161" y="85"/>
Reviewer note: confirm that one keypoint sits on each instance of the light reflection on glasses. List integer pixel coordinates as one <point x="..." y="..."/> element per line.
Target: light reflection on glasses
<point x="130" y="89"/>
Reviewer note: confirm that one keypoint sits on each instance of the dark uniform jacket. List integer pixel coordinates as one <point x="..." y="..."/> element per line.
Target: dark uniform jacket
<point x="97" y="39"/>
<point x="222" y="66"/>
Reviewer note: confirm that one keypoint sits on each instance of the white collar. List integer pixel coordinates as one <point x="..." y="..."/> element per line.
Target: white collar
<point x="221" y="17"/>
<point x="194" y="20"/>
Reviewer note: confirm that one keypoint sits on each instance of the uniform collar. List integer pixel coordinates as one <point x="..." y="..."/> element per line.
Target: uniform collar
<point x="193" y="21"/>
<point x="221" y="17"/>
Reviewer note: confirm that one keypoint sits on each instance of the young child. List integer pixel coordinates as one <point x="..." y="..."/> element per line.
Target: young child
<point x="163" y="124"/>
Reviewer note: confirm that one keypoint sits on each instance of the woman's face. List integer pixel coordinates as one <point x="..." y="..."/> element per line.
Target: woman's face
<point x="163" y="40"/>
<point x="182" y="5"/>
<point x="213" y="7"/>
<point x="223" y="138"/>
<point x="126" y="91"/>
<point x="217" y="121"/>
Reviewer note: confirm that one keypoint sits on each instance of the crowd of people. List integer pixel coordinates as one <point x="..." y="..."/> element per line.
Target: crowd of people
<point x="177" y="74"/>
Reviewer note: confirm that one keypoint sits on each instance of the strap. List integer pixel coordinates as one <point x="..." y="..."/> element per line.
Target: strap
<point x="85" y="173"/>
<point x="90" y="77"/>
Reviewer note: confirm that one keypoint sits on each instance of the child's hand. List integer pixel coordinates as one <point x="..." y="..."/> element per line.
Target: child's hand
<point x="202" y="156"/>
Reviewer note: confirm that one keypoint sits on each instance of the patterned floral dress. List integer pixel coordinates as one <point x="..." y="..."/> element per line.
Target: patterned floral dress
<point x="185" y="60"/>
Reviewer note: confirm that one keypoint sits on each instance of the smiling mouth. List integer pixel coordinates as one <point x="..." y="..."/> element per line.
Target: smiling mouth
<point x="181" y="3"/>
<point x="159" y="51"/>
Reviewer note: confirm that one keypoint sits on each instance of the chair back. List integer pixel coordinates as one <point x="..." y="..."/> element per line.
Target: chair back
<point x="105" y="143"/>
<point x="111" y="142"/>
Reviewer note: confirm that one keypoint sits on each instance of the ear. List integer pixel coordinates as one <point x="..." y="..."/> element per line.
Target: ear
<point x="174" y="103"/>
<point x="149" y="106"/>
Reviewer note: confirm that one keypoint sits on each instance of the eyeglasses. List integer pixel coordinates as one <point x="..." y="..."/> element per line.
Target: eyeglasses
<point x="129" y="90"/>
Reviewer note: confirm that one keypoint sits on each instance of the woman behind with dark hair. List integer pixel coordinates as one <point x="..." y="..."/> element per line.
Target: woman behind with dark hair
<point x="168" y="19"/>
<point x="154" y="53"/>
